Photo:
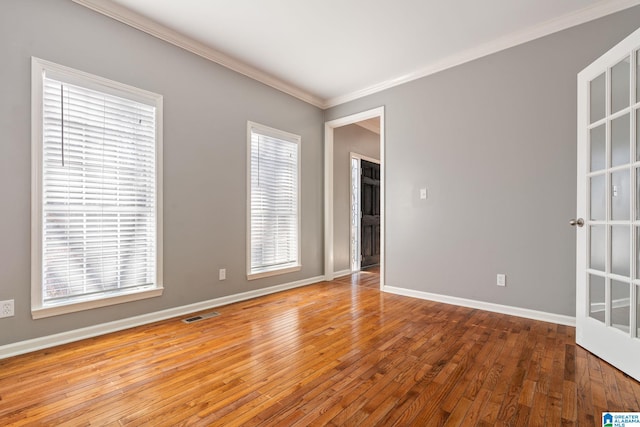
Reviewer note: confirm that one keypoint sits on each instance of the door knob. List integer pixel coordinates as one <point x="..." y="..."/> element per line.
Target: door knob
<point x="576" y="222"/>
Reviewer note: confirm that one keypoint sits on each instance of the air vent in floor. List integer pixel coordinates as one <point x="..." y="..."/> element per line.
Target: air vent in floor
<point x="200" y="317"/>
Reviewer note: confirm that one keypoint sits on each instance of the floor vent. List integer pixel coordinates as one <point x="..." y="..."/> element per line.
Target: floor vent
<point x="200" y="317"/>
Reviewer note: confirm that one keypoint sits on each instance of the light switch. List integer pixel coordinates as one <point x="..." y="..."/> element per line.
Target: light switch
<point x="423" y="194"/>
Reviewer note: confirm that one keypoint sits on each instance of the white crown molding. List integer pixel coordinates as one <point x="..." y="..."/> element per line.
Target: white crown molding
<point x="487" y="306"/>
<point x="135" y="20"/>
<point x="528" y="34"/>
<point x="35" y="344"/>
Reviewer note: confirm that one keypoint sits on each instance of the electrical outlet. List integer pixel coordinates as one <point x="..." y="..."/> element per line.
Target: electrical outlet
<point x="501" y="280"/>
<point x="6" y="308"/>
<point x="222" y="274"/>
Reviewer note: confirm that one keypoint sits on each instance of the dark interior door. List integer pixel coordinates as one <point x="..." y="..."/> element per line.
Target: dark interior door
<point x="370" y="222"/>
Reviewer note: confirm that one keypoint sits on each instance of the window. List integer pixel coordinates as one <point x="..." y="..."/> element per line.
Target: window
<point x="97" y="191"/>
<point x="274" y="202"/>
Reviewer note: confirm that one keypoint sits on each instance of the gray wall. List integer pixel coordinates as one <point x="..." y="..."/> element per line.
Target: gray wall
<point x="347" y="139"/>
<point x="494" y="141"/>
<point x="206" y="108"/>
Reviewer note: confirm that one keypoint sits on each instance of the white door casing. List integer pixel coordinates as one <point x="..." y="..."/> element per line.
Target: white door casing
<point x="608" y="199"/>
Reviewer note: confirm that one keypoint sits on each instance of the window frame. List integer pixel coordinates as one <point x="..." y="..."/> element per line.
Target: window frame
<point x="86" y="80"/>
<point x="289" y="137"/>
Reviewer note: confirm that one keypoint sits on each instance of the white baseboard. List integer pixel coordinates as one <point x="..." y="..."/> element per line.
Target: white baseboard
<point x="341" y="273"/>
<point x="488" y="306"/>
<point x="27" y="346"/>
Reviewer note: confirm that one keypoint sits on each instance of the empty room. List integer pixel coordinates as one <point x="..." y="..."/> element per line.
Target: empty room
<point x="295" y="213"/>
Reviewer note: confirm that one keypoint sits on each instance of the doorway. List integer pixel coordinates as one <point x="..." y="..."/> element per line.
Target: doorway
<point x="330" y="126"/>
<point x="364" y="232"/>
<point x="370" y="214"/>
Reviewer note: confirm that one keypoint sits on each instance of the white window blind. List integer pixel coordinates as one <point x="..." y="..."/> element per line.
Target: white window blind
<point x="99" y="195"/>
<point x="274" y="200"/>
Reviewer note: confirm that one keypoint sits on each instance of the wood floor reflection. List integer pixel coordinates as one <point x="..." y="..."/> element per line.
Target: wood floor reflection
<point x="368" y="278"/>
<point x="334" y="353"/>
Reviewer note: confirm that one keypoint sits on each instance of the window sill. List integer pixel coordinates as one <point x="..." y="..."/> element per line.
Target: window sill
<point x="56" y="310"/>
<point x="268" y="273"/>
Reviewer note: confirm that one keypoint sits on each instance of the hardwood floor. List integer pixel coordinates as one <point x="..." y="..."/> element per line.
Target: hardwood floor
<point x="335" y="353"/>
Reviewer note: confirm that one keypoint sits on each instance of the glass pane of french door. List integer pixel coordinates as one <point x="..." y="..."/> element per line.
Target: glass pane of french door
<point x="620" y="305"/>
<point x="638" y="311"/>
<point x="598" y="97"/>
<point x="620" y="85"/>
<point x="597" y="297"/>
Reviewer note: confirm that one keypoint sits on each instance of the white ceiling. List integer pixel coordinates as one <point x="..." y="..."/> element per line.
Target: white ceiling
<point x="330" y="51"/>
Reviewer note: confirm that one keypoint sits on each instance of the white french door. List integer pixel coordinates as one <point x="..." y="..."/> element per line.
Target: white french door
<point x="608" y="207"/>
